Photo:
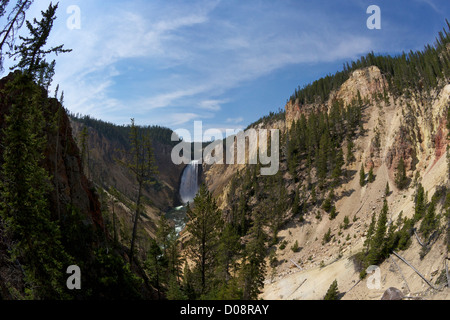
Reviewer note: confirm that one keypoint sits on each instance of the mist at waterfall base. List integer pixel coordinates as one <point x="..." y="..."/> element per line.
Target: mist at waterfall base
<point x="188" y="189"/>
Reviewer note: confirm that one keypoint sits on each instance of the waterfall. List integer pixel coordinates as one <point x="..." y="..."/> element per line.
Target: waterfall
<point x="189" y="182"/>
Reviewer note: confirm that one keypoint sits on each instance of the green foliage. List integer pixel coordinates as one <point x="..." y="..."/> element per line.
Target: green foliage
<point x="228" y="252"/>
<point x="371" y="177"/>
<point x="295" y="247"/>
<point x="205" y="225"/>
<point x="387" y="190"/>
<point x="112" y="279"/>
<point x="401" y="180"/>
<point x="333" y="213"/>
<point x="31" y="50"/>
<point x="346" y="222"/>
<point x="296" y="204"/>
<point x="420" y="202"/>
<point x="121" y="134"/>
<point x="430" y="222"/>
<point x="24" y="189"/>
<point x="140" y="161"/>
<point x="327" y="205"/>
<point x="378" y="245"/>
<point x="333" y="292"/>
<point x="362" y="176"/>
<point x="253" y="271"/>
<point x="327" y="237"/>
<point x="419" y="70"/>
<point x="350" y="154"/>
<point x="174" y="291"/>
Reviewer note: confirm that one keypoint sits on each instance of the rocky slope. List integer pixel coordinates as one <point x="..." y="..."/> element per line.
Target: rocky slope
<point x="412" y="127"/>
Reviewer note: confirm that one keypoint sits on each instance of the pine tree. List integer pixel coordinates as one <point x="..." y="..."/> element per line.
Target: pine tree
<point x="14" y="23"/>
<point x="174" y="291"/>
<point x="370" y="232"/>
<point x="322" y="159"/>
<point x="429" y="222"/>
<point x="371" y="175"/>
<point x="378" y="243"/>
<point x="31" y="51"/>
<point x="252" y="273"/>
<point x="350" y="155"/>
<point x="387" y="190"/>
<point x="401" y="179"/>
<point x="337" y="171"/>
<point x="296" y="203"/>
<point x="420" y="203"/>
<point x="228" y="251"/>
<point x="205" y="225"/>
<point x="362" y="176"/>
<point x="333" y="292"/>
<point x="84" y="141"/>
<point x="24" y="190"/>
<point x="25" y="185"/>
<point x="142" y="165"/>
<point x="156" y="266"/>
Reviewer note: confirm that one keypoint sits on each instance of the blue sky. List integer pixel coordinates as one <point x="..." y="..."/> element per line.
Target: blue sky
<point x="223" y="62"/>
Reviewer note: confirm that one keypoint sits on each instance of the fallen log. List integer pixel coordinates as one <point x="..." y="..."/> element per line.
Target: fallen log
<point x="353" y="286"/>
<point x="296" y="265"/>
<point x="415" y="270"/>
<point x="418" y="239"/>
<point x="297" y="288"/>
<point x="446" y="272"/>
<point x="401" y="273"/>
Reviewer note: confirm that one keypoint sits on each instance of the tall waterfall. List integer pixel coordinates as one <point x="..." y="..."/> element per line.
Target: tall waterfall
<point x="189" y="182"/>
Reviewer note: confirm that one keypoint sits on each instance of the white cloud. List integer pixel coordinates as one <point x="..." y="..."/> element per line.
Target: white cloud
<point x="235" y="120"/>
<point x="212" y="105"/>
<point x="177" y="119"/>
<point x="193" y="53"/>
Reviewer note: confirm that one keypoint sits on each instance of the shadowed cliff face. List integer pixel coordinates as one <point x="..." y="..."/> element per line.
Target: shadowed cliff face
<point x="72" y="201"/>
<point x="72" y="190"/>
<point x="106" y="172"/>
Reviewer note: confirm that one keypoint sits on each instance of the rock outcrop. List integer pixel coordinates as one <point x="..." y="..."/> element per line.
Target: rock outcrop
<point x="392" y="294"/>
<point x="368" y="82"/>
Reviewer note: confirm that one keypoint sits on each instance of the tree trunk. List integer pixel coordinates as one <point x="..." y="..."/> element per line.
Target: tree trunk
<point x="12" y="24"/>
<point x="136" y="219"/>
<point x="114" y="222"/>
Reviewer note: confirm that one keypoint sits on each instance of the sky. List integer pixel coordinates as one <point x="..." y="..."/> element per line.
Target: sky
<point x="223" y="62"/>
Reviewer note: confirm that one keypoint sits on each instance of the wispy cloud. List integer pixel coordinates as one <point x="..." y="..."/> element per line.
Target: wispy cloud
<point x="211" y="105"/>
<point x="235" y="120"/>
<point x="431" y="4"/>
<point x="172" y="62"/>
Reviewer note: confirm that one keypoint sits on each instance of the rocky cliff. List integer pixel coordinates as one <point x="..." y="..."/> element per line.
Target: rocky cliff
<point x="367" y="82"/>
<point x="412" y="127"/>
